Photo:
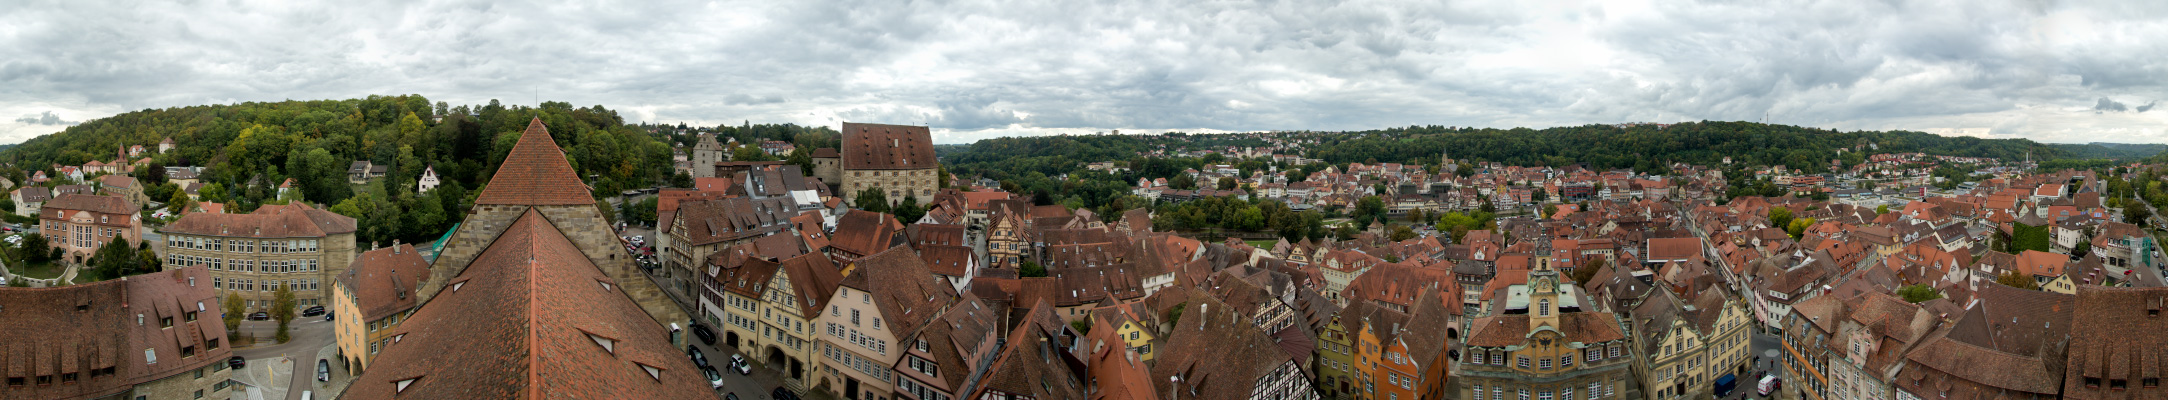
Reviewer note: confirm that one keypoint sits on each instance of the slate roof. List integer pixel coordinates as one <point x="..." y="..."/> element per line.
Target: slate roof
<point x="557" y="327"/>
<point x="886" y="147"/>
<point x="535" y="173"/>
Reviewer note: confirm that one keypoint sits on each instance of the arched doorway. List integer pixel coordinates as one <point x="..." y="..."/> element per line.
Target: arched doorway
<point x="730" y="337"/>
<point x="776" y="359"/>
<point x="1452" y="333"/>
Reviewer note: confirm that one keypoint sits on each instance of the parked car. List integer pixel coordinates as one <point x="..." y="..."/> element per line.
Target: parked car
<point x="781" y="394"/>
<point x="323" y="370"/>
<point x="700" y="359"/>
<point x="259" y="316"/>
<point x="715" y="380"/>
<point x="327" y="317"/>
<point x="707" y="336"/>
<point x="236" y="362"/>
<point x="312" y="311"/>
<point x="737" y="362"/>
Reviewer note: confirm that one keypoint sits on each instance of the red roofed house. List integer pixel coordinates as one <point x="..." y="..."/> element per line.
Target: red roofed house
<point x="1543" y="342"/>
<point x="885" y="298"/>
<point x="80" y="223"/>
<point x="154" y="336"/>
<point x="373" y="297"/>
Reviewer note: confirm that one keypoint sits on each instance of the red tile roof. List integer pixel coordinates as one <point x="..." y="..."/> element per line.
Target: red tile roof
<point x="81" y="328"/>
<point x="876" y="146"/>
<point x="93" y="203"/>
<point x="535" y="173"/>
<point x="384" y="280"/>
<point x="545" y="313"/>
<point x="271" y="221"/>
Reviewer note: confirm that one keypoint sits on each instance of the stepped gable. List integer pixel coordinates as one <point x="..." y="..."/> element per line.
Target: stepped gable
<point x="556" y="325"/>
<point x="535" y="173"/>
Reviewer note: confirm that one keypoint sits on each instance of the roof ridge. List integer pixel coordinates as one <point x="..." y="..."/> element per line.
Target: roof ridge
<point x="534" y="384"/>
<point x="536" y="172"/>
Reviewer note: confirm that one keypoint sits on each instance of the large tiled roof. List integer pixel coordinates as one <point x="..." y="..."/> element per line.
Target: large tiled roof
<point x="877" y="146"/>
<point x="270" y="221"/>
<point x="535" y="173"/>
<point x="905" y="291"/>
<point x="1214" y="352"/>
<point x="1512" y="329"/>
<point x="2115" y="336"/>
<point x="865" y="232"/>
<point x="384" y="280"/>
<point x="531" y="317"/>
<point x="80" y="328"/>
<point x="92" y="203"/>
<point x="712" y="221"/>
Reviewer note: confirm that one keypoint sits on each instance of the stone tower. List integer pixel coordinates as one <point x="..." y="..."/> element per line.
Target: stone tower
<point x="537" y="176"/>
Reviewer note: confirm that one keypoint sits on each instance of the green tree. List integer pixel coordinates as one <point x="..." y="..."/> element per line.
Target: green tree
<point x="1881" y="209"/>
<point x="2137" y="215"/>
<point x="35" y="249"/>
<point x="180" y="202"/>
<point x="1798" y="227"/>
<point x="642" y="212"/>
<point x="1174" y="314"/>
<point x="1369" y="209"/>
<point x="1588" y="269"/>
<point x="872" y="199"/>
<point x="1780" y="216"/>
<point x="909" y="211"/>
<point x="234" y="309"/>
<point x="1182" y="182"/>
<point x="1082" y="326"/>
<point x="1918" y="293"/>
<point x="1402" y="232"/>
<point x="282" y="309"/>
<point x="681" y="180"/>
<point x="2017" y="280"/>
<point x="1227" y="183"/>
<point x="1030" y="269"/>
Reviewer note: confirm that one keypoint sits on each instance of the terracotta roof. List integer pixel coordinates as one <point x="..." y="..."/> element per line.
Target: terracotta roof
<point x="906" y="293"/>
<point x="383" y="281"/>
<point x="865" y="232"/>
<point x="1512" y="329"/>
<point x="93" y="203"/>
<point x="270" y="221"/>
<point x="877" y="146"/>
<point x="813" y="278"/>
<point x="556" y="327"/>
<point x="535" y="173"/>
<point x="2115" y="337"/>
<point x="1031" y="365"/>
<point x="80" y="328"/>
<point x="826" y="152"/>
<point x="946" y="260"/>
<point x="1215" y="351"/>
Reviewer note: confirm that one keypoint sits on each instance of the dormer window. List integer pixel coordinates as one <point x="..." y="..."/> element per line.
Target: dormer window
<point x="652" y="372"/>
<point x="608" y="344"/>
<point x="402" y="384"/>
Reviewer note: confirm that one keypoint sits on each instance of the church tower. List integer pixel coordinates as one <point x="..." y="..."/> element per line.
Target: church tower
<point x="1543" y="294"/>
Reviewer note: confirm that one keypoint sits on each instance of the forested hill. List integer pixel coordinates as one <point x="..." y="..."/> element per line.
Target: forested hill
<point x="1650" y="147"/>
<point x="2118" y="151"/>
<point x="313" y="142"/>
<point x="1642" y="147"/>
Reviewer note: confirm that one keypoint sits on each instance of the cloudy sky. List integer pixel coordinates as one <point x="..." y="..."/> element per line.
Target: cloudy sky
<point x="2055" y="71"/>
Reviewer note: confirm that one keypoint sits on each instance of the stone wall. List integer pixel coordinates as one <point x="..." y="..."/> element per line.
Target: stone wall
<point x="583" y="224"/>
<point x="829" y="170"/>
<point x="897" y="183"/>
<point x="185" y="384"/>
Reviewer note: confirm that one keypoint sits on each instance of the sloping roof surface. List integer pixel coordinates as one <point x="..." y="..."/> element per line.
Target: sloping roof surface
<point x="535" y="173"/>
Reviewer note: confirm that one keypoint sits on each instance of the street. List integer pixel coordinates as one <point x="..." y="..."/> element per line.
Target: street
<point x="284" y="370"/>
<point x="759" y="385"/>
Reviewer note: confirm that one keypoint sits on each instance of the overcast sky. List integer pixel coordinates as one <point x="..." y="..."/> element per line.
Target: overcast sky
<point x="2054" y="71"/>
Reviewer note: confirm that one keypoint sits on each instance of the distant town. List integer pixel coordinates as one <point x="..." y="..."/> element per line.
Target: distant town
<point x="867" y="263"/>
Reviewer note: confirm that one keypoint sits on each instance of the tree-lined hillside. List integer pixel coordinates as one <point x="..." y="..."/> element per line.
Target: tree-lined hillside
<point x="249" y="148"/>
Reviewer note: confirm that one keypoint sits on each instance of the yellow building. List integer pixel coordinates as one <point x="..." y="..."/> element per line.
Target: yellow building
<point x="1543" y="346"/>
<point x="1687" y="346"/>
<point x="372" y="298"/>
<point x="772" y="310"/>
<point x="1133" y="325"/>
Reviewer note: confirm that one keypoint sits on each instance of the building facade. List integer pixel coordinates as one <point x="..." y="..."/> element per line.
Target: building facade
<point x="294" y="246"/>
<point x="773" y="311"/>
<point x="372" y="298"/>
<point x="705" y="154"/>
<point x="81" y="223"/>
<point x="886" y="297"/>
<point x="896" y="159"/>
<point x="1543" y="347"/>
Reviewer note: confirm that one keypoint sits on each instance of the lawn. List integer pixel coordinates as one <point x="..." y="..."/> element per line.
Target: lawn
<point x="45" y="270"/>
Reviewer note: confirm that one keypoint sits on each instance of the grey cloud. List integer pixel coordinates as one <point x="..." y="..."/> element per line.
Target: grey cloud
<point x="980" y="70"/>
<point x="45" y="118"/>
<point x="2109" y="105"/>
<point x="2147" y="107"/>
